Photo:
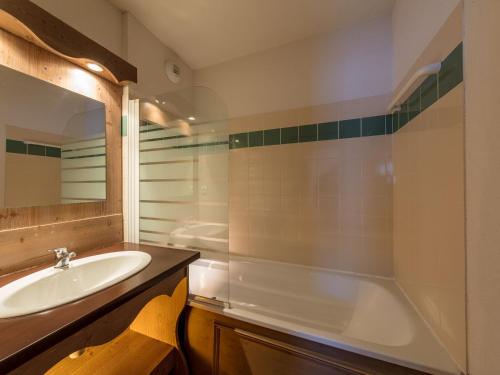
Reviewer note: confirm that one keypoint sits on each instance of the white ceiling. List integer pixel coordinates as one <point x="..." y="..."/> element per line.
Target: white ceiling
<point x="208" y="32"/>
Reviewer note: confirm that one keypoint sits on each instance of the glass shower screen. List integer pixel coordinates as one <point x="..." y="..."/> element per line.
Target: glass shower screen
<point x="183" y="143"/>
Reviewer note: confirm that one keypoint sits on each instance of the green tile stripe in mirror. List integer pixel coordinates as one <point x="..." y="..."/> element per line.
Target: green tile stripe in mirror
<point x="15" y="146"/>
<point x="34" y="149"/>
<point x="53" y="152"/>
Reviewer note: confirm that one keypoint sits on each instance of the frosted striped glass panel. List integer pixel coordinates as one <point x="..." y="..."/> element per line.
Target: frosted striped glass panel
<point x="83" y="170"/>
<point x="184" y="188"/>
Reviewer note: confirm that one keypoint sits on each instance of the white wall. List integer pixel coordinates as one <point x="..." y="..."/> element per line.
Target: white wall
<point x="414" y="24"/>
<point x="148" y="54"/>
<point x="97" y="19"/>
<point x="348" y="64"/>
<point x="482" y="158"/>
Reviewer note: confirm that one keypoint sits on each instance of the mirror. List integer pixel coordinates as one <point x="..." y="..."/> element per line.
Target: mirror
<point x="52" y="144"/>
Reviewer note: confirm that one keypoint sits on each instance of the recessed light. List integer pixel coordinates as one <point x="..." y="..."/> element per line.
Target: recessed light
<point x="95" y="67"/>
<point x="157" y="101"/>
<point x="191" y="118"/>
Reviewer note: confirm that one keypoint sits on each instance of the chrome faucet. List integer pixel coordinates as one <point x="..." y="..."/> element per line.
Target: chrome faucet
<point x="62" y="257"/>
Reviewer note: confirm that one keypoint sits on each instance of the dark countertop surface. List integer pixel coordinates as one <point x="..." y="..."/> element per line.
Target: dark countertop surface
<point x="22" y="338"/>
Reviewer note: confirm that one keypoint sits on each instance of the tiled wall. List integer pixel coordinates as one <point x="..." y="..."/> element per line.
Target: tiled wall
<point x="318" y="195"/>
<point x="429" y="217"/>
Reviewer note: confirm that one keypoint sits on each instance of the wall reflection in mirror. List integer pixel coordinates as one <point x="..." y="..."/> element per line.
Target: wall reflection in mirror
<point x="52" y="144"/>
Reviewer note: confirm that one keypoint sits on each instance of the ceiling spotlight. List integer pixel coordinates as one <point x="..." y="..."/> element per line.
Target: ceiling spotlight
<point x="157" y="101"/>
<point x="164" y="102"/>
<point x="191" y="118"/>
<point x="94" y="67"/>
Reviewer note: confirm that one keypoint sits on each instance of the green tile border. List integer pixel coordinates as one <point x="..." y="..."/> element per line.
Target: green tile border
<point x="308" y="133"/>
<point x="15" y="146"/>
<point x="53" y="152"/>
<point x="414" y="104"/>
<point x="350" y="128"/>
<point x="34" y="149"/>
<point x="272" y="137"/>
<point x="328" y="131"/>
<point x="375" y="125"/>
<point x="430" y="91"/>
<point x="256" y="139"/>
<point x="389" y="124"/>
<point x="239" y="140"/>
<point x="451" y="73"/>
<point x="290" y="135"/>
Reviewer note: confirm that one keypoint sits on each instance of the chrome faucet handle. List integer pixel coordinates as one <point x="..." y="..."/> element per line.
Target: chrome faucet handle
<point x="63" y="257"/>
<point x="60" y="252"/>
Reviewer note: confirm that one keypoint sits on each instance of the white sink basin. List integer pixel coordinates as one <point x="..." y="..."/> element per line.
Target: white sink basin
<point x="53" y="287"/>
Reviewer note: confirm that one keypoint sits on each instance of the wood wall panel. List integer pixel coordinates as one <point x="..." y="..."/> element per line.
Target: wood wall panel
<point x="27" y="247"/>
<point x="15" y="251"/>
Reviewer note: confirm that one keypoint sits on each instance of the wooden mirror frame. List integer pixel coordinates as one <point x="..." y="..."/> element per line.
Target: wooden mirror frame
<point x="28" y="21"/>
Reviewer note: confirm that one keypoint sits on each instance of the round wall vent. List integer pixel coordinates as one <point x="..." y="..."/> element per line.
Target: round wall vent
<point x="173" y="71"/>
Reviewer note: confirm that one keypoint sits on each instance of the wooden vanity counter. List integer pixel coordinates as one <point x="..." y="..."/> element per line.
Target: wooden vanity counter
<point x="46" y="337"/>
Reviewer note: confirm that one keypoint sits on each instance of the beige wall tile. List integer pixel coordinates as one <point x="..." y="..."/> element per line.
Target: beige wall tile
<point x="364" y="107"/>
<point x="307" y="204"/>
<point x="429" y="217"/>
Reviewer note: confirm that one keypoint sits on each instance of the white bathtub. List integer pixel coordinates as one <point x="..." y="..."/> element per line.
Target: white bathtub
<point x="366" y="315"/>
